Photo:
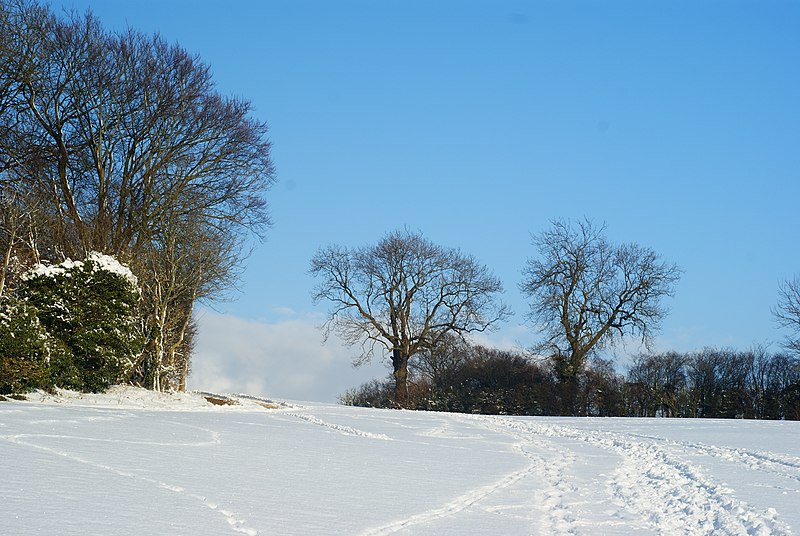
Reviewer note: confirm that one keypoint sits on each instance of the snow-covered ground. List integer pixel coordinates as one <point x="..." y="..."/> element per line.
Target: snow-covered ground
<point x="138" y="463"/>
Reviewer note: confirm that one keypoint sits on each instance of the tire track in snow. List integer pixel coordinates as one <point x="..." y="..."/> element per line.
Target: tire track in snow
<point x="673" y="496"/>
<point x="453" y="507"/>
<point x="342" y="429"/>
<point x="215" y="440"/>
<point x="237" y="525"/>
<point x="557" y="519"/>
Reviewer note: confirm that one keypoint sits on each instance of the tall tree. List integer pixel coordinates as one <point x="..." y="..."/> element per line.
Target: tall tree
<point x="787" y="313"/>
<point x="587" y="293"/>
<point x="120" y="143"/>
<point x="404" y="295"/>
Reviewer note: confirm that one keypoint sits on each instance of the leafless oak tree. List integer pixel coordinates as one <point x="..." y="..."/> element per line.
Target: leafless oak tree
<point x="404" y="295"/>
<point x="787" y="313"/>
<point x="587" y="293"/>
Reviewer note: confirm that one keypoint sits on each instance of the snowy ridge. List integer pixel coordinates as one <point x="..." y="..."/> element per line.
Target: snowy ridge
<point x="268" y="401"/>
<point x="241" y="400"/>
<point x="121" y="396"/>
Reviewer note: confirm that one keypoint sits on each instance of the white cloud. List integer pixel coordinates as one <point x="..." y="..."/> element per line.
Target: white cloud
<point x="514" y="337"/>
<point x="284" y="360"/>
<point x="287" y="360"/>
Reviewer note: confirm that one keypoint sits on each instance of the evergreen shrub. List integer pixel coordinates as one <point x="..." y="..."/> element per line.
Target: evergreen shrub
<point x="90" y="306"/>
<point x="26" y="349"/>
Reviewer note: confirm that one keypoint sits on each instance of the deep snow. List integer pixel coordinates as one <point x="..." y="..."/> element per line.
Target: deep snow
<point x="140" y="463"/>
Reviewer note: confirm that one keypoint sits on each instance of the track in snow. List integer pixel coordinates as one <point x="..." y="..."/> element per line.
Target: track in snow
<point x="650" y="490"/>
<point x="237" y="525"/>
<point x="671" y="494"/>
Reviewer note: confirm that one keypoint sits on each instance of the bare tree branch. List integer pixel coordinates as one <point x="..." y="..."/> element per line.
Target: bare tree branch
<point x="787" y="313"/>
<point x="404" y="295"/>
<point x="587" y="293"/>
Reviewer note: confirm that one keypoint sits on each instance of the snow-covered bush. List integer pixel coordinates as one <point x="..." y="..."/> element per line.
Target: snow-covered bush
<point x="90" y="306"/>
<point x="26" y="349"/>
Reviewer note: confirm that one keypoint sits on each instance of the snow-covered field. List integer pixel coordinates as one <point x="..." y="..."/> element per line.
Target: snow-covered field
<point x="138" y="463"/>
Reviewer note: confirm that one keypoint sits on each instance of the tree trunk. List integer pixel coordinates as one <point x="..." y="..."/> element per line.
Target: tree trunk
<point x="7" y="260"/>
<point x="568" y="370"/>
<point x="569" y="389"/>
<point x="180" y="370"/>
<point x="400" y="365"/>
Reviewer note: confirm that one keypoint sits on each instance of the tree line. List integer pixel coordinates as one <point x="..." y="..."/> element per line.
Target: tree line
<point x="418" y="303"/>
<point x="119" y="143"/>
<point x="710" y="383"/>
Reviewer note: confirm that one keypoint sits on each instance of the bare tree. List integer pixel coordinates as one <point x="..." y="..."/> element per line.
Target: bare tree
<point x="123" y="145"/>
<point x="787" y="313"/>
<point x="186" y="263"/>
<point x="439" y="364"/>
<point x="404" y="295"/>
<point x="127" y="129"/>
<point x="587" y="293"/>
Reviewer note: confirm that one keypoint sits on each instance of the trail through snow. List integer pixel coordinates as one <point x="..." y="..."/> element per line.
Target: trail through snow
<point x="132" y="462"/>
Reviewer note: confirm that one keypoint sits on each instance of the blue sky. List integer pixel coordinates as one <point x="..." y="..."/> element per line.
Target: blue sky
<point x="478" y="122"/>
